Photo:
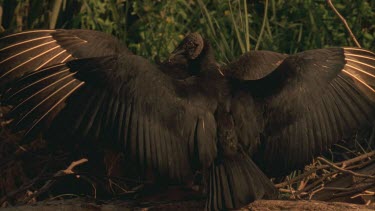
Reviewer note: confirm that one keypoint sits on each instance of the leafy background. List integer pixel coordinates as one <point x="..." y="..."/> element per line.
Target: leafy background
<point x="152" y="28"/>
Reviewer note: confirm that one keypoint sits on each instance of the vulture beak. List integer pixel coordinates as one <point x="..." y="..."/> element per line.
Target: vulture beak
<point x="176" y="52"/>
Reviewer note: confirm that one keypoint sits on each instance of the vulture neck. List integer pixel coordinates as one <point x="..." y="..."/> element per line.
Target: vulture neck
<point x="205" y="63"/>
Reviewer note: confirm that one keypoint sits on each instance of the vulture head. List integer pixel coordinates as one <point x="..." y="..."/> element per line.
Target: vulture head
<point x="192" y="56"/>
<point x="189" y="49"/>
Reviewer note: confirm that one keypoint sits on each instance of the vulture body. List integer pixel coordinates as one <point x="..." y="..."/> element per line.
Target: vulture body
<point x="278" y="110"/>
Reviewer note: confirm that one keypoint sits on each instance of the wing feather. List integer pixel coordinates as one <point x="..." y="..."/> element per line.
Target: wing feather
<point x="73" y="87"/>
<point x="28" y="51"/>
<point x="109" y="99"/>
<point x="312" y="100"/>
<point x="254" y="65"/>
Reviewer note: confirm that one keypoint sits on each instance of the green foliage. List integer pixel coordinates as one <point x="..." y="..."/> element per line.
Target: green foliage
<point x="153" y="28"/>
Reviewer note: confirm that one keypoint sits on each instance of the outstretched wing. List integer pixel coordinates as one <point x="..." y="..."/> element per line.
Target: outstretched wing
<point x="312" y="100"/>
<point x="250" y="66"/>
<point x="126" y="102"/>
<point x="33" y="50"/>
<point x="254" y="65"/>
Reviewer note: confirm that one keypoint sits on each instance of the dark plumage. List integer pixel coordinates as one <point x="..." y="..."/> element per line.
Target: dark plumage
<point x="287" y="111"/>
<point x="254" y="65"/>
<point x="183" y="61"/>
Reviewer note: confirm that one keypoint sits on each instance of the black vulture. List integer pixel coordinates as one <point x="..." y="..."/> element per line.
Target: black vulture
<point x="91" y="90"/>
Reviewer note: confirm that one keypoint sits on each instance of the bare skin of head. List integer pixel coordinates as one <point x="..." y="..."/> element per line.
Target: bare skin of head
<point x="190" y="48"/>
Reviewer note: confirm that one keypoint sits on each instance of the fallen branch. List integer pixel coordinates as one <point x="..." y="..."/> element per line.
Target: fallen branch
<point x="304" y="205"/>
<point x="50" y="182"/>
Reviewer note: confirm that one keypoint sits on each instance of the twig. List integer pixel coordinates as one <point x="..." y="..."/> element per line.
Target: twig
<point x="338" y="189"/>
<point x="316" y="191"/>
<point x="301" y="176"/>
<point x="242" y="46"/>
<point x="344" y="22"/>
<point x="360" y="165"/>
<point x="355" y="190"/>
<point x="343" y="163"/>
<point x="345" y="170"/>
<point x="55" y="13"/>
<point x="70" y="168"/>
<point x="292" y="191"/>
<point x="303" y="184"/>
<point x="356" y="159"/>
<point x="263" y="25"/>
<point x="63" y="195"/>
<point x="92" y="183"/>
<point x="283" y="190"/>
<point x="365" y="193"/>
<point x="315" y="183"/>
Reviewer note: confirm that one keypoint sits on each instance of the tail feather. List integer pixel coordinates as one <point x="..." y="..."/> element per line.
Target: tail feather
<point x="235" y="182"/>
